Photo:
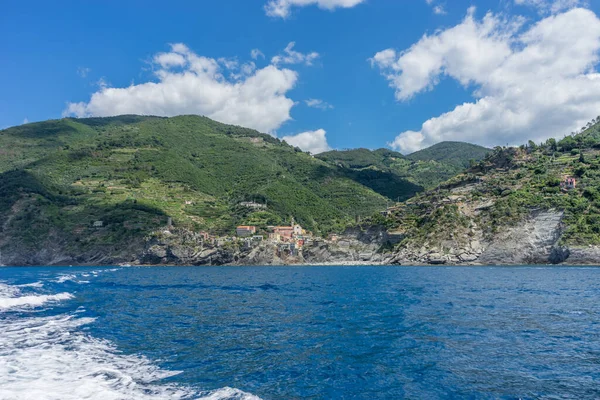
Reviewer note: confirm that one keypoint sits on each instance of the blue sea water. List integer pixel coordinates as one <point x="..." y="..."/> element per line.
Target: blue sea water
<point x="300" y="333"/>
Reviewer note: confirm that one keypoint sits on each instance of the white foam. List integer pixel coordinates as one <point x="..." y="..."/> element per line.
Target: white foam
<point x="37" y="284"/>
<point x="65" y="277"/>
<point x="32" y="300"/>
<point x="12" y="297"/>
<point x="51" y="358"/>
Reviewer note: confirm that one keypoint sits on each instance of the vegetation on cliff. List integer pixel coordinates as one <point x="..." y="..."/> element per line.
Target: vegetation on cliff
<point x="132" y="172"/>
<point x="509" y="184"/>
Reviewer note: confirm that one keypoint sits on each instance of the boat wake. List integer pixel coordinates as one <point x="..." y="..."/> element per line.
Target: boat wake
<point x="52" y="357"/>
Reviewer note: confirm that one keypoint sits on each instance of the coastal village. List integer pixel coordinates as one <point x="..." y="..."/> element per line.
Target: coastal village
<point x="289" y="238"/>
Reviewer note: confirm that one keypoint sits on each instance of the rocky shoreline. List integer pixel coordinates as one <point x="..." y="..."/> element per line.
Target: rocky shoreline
<point x="535" y="241"/>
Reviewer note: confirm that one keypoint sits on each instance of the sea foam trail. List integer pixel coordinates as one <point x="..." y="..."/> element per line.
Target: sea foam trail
<point x="51" y="358"/>
<point x="11" y="297"/>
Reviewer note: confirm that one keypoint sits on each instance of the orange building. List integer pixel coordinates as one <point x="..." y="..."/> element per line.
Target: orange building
<point x="245" y="231"/>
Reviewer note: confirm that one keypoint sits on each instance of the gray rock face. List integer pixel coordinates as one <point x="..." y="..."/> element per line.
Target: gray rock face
<point x="583" y="256"/>
<point x="535" y="241"/>
<point x="182" y="247"/>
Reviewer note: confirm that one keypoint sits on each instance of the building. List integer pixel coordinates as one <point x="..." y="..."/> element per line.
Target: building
<point x="286" y="233"/>
<point x="98" y="224"/>
<point x="204" y="235"/>
<point x="298" y="230"/>
<point x="333" y="237"/>
<point x="275" y="237"/>
<point x="252" y="204"/>
<point x="569" y="183"/>
<point x="245" y="231"/>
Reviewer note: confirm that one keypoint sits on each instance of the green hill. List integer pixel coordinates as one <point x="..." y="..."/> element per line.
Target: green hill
<point x="456" y="154"/>
<point x="426" y="168"/>
<point x="493" y="201"/>
<point x="131" y="172"/>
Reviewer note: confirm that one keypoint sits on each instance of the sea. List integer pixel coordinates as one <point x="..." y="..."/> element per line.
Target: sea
<point x="247" y="333"/>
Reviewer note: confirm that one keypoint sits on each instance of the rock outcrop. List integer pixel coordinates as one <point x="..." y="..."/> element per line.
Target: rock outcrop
<point x="536" y="240"/>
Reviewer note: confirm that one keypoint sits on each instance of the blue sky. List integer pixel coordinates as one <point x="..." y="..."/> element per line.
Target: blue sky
<point x="486" y="73"/>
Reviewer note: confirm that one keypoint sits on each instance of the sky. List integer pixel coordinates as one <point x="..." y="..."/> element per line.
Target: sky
<point x="320" y="74"/>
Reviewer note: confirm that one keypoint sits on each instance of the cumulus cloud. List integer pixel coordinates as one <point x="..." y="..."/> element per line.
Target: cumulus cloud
<point x="291" y="56"/>
<point x="187" y="83"/>
<point x="529" y="83"/>
<point x="314" y="142"/>
<point x="282" y="8"/>
<point x="318" y="103"/>
<point x="551" y="6"/>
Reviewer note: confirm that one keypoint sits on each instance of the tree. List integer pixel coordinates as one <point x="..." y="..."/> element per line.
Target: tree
<point x="531" y="144"/>
<point x="551" y="143"/>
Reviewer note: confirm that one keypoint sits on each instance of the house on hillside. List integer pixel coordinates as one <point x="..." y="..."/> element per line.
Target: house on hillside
<point x="245" y="231"/>
<point x="298" y="231"/>
<point x="568" y="183"/>
<point x="204" y="235"/>
<point x="253" y="204"/>
<point x="285" y="232"/>
<point x="275" y="237"/>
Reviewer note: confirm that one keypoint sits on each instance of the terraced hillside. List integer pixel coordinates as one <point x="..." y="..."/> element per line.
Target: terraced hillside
<point x="57" y="178"/>
<point x="426" y="168"/>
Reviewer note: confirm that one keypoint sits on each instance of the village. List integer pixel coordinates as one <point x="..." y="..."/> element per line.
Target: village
<point x="288" y="238"/>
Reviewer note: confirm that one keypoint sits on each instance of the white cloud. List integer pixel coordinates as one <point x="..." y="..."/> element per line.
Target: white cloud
<point x="83" y="71"/>
<point x="282" y="8"/>
<point x="439" y="10"/>
<point x="168" y="60"/>
<point x="551" y="6"/>
<point x="256" y="53"/>
<point x="467" y="52"/>
<point x="528" y="84"/>
<point x="314" y="142"/>
<point x="318" y="103"/>
<point x="191" y="84"/>
<point x="291" y="56"/>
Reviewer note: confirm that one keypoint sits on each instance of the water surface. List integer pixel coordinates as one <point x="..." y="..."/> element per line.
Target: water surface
<point x="297" y="333"/>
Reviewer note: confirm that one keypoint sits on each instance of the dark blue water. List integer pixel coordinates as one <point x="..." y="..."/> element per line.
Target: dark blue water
<point x="332" y="332"/>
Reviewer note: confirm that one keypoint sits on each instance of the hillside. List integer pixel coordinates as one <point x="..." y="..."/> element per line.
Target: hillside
<point x="59" y="177"/>
<point x="515" y="206"/>
<point x="457" y="154"/>
<point x="426" y="168"/>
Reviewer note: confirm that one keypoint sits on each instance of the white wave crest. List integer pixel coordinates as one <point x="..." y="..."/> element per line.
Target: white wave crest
<point x="50" y="358"/>
<point x="11" y="297"/>
<point x="32" y="300"/>
<point x="65" y="277"/>
<point x="37" y="284"/>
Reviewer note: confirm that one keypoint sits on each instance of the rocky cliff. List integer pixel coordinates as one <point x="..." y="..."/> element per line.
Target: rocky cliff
<point x="535" y="240"/>
<point x="182" y="247"/>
